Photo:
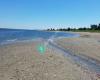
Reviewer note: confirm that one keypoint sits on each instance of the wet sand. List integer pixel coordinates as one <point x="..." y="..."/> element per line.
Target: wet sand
<point x="22" y="61"/>
<point x="88" y="44"/>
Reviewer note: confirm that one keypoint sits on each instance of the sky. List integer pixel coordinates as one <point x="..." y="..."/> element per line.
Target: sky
<point x="43" y="14"/>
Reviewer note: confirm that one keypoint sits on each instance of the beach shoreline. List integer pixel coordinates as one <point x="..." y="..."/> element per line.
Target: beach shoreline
<point x="23" y="61"/>
<point x="81" y="44"/>
<point x="87" y="46"/>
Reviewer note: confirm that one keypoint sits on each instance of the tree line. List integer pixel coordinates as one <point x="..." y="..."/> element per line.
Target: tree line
<point x="93" y="27"/>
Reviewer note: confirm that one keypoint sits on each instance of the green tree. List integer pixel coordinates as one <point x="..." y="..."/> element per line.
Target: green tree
<point x="94" y="27"/>
<point x="99" y="26"/>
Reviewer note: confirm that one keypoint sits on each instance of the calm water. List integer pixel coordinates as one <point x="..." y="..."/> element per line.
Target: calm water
<point x="10" y="36"/>
<point x="86" y="62"/>
<point x="13" y="35"/>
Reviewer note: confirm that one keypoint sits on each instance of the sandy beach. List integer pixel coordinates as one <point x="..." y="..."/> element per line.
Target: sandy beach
<point x="22" y="61"/>
<point x="88" y="44"/>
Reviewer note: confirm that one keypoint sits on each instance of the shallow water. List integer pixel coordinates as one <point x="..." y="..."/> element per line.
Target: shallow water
<point x="11" y="36"/>
<point x="15" y="35"/>
<point x="83" y="61"/>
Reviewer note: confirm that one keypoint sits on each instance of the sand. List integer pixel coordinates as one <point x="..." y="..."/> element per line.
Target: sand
<point x="22" y="61"/>
<point x="88" y="44"/>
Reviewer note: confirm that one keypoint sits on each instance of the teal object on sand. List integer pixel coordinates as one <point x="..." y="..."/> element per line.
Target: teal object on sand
<point x="41" y="49"/>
